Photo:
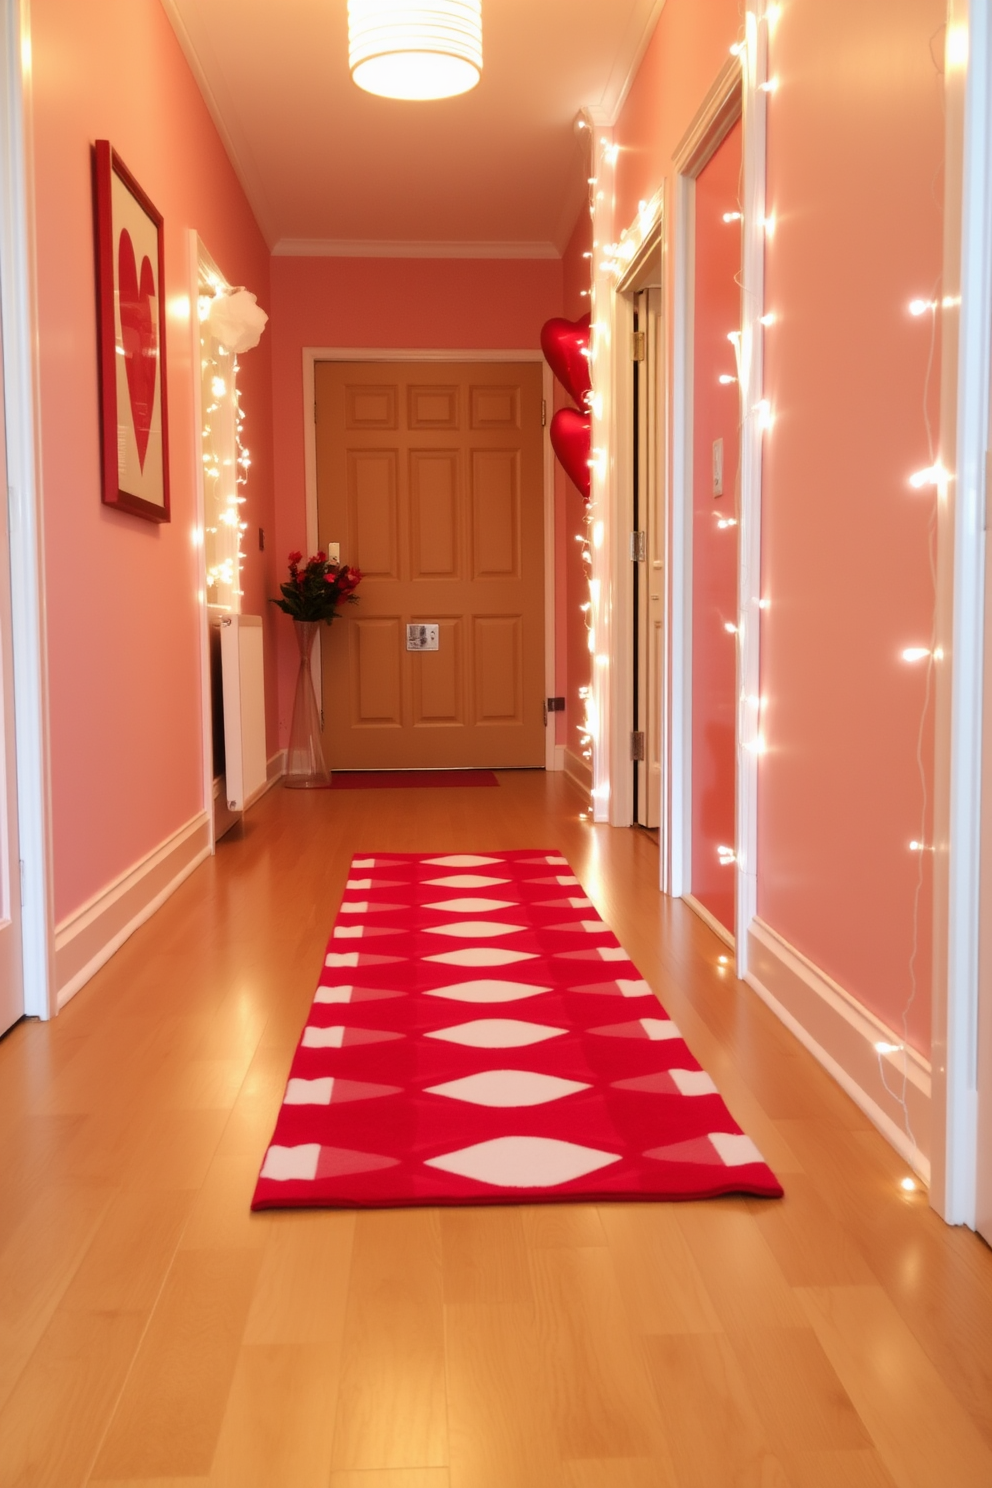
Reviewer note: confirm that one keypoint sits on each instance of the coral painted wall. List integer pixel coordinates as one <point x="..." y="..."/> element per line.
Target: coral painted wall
<point x="716" y="415"/>
<point x="855" y="144"/>
<point x="855" y="152"/>
<point x="406" y="304"/>
<point x="689" y="47"/>
<point x="123" y="618"/>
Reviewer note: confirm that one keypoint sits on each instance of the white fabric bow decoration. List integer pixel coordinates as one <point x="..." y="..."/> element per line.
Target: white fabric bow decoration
<point x="236" y="320"/>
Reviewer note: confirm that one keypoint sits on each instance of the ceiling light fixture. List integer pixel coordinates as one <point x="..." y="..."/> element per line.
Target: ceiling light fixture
<point x="415" y="49"/>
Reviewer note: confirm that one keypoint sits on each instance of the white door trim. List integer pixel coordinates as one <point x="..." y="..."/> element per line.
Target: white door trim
<point x="620" y="720"/>
<point x="646" y="236"/>
<point x="18" y="307"/>
<point x="314" y="354"/>
<point x="755" y="420"/>
<point x="736" y="93"/>
<point x="960" y="620"/>
<point x="679" y="804"/>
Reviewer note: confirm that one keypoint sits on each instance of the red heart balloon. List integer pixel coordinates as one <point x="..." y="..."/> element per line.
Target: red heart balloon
<point x="565" y="344"/>
<point x="139" y="338"/>
<point x="571" y="440"/>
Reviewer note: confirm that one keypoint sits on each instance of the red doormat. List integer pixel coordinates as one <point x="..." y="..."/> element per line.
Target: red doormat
<point x="411" y="779"/>
<point x="478" y="1037"/>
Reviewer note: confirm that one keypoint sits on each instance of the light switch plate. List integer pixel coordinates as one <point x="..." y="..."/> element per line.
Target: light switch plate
<point x="334" y="553"/>
<point x="421" y="637"/>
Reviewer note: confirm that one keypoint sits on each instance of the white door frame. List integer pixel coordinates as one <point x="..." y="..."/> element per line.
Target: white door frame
<point x="962" y="496"/>
<point x="18" y="306"/>
<point x="645" y="235"/>
<point x="314" y="354"/>
<point x="737" y="93"/>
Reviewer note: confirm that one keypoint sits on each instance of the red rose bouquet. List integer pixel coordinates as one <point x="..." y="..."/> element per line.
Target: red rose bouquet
<point x="316" y="589"/>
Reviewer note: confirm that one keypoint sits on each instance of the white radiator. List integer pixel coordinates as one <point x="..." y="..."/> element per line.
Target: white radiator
<point x="243" y="673"/>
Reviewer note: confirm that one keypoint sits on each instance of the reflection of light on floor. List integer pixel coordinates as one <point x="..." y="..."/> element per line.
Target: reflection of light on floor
<point x="592" y="876"/>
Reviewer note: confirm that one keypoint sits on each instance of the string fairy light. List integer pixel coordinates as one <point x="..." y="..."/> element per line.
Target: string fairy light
<point x="932" y="478"/>
<point x="226" y="461"/>
<point x="609" y="259"/>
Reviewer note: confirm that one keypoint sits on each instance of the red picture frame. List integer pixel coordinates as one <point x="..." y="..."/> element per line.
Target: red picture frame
<point x="130" y="280"/>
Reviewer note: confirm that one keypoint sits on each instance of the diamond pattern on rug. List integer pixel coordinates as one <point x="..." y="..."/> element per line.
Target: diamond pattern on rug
<point x="494" y="1072"/>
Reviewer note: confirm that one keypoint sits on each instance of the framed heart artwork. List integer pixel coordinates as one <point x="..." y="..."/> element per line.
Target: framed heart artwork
<point x="131" y="322"/>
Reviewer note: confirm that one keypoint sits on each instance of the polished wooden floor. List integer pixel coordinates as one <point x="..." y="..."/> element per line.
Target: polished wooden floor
<point x="153" y="1332"/>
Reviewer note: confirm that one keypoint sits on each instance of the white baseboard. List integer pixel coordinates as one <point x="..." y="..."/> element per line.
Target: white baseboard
<point x="90" y="936"/>
<point x="842" y="1034"/>
<point x="709" y="918"/>
<point x="577" y="769"/>
<point x="275" y="769"/>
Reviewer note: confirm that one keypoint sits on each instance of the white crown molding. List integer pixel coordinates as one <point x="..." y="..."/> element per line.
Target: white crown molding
<point x="221" y="104"/>
<point x="625" y="69"/>
<point x="394" y="248"/>
<point x="224" y="115"/>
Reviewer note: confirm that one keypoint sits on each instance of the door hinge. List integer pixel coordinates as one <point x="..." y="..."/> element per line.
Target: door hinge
<point x="544" y="413"/>
<point x="315" y="410"/>
<point x="638" y="547"/>
<point x="637" y="351"/>
<point x="637" y="744"/>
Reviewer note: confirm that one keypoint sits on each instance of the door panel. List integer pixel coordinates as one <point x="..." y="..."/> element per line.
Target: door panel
<point x="371" y="408"/>
<point x="374" y="513"/>
<point x="495" y="514"/>
<point x="433" y="407"/>
<point x="430" y="477"/>
<point x="438" y="691"/>
<point x="498" y="693"/>
<point x="434" y="514"/>
<point x="495" y="408"/>
<point x="377" y="690"/>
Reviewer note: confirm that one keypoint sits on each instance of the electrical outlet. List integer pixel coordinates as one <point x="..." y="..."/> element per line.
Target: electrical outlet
<point x="334" y="553"/>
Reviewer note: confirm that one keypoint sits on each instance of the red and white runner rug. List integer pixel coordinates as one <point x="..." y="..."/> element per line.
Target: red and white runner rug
<point x="479" y="1036"/>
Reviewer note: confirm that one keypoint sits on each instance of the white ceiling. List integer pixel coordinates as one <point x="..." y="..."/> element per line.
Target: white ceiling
<point x="329" y="169"/>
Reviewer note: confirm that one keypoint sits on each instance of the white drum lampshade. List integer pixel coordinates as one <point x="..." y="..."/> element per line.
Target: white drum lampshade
<point x="415" y="48"/>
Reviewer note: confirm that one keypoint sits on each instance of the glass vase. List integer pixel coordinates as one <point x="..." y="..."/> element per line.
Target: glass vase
<point x="305" y="767"/>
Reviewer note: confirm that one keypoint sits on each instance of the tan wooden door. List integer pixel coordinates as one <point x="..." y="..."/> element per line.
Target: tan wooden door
<point x="430" y="477"/>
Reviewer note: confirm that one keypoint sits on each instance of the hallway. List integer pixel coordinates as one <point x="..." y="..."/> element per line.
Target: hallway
<point x="154" y="1332"/>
